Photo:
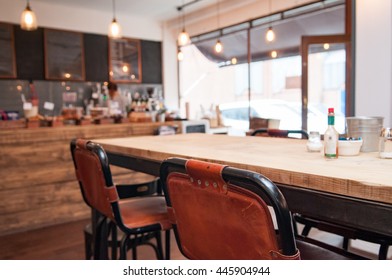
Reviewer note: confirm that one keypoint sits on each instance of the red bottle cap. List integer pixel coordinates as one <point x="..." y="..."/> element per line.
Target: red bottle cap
<point x="330" y="110"/>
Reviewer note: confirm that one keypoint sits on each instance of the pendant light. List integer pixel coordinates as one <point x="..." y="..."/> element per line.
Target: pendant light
<point x="270" y="35"/>
<point x="180" y="55"/>
<point x="114" y="27"/>
<point x="28" y="21"/>
<point x="218" y="45"/>
<point x="183" y="37"/>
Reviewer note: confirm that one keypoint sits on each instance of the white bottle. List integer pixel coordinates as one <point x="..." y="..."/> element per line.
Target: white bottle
<point x="331" y="137"/>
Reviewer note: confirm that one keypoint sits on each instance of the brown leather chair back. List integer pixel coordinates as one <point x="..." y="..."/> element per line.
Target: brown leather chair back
<point x="97" y="192"/>
<point x="214" y="218"/>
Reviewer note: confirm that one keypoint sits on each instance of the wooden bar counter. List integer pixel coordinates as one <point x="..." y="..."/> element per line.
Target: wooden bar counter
<point x="38" y="186"/>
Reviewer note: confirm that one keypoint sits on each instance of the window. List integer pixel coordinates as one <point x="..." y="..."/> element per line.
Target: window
<point x="267" y="86"/>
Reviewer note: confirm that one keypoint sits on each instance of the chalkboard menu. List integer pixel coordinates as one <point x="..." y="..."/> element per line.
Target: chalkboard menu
<point x="125" y="60"/>
<point x="64" y="55"/>
<point x="7" y="51"/>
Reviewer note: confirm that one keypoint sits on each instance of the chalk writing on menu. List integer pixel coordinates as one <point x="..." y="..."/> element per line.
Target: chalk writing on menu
<point x="64" y="55"/>
<point x="7" y="51"/>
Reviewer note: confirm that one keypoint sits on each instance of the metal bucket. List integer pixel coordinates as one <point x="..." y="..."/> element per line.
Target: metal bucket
<point x="368" y="128"/>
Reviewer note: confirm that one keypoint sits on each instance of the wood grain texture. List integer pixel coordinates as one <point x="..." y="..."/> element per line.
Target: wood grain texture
<point x="38" y="186"/>
<point x="284" y="161"/>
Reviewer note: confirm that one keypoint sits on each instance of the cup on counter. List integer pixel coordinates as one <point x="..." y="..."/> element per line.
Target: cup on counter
<point x="385" y="143"/>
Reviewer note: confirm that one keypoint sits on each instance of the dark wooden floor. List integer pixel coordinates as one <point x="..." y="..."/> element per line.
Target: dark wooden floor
<point x="60" y="242"/>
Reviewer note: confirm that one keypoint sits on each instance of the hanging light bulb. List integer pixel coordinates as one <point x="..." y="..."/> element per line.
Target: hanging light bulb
<point x="28" y="21"/>
<point x="270" y="35"/>
<point x="114" y="27"/>
<point x="180" y="55"/>
<point x="218" y="46"/>
<point x="274" y="54"/>
<point x="183" y="38"/>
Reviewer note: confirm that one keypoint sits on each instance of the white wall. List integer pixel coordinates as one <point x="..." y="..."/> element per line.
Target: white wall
<point x="373" y="82"/>
<point x="83" y="20"/>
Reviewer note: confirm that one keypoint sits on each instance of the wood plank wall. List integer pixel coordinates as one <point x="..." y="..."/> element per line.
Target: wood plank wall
<point x="38" y="186"/>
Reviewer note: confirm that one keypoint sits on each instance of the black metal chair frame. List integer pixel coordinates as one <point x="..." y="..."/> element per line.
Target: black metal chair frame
<point x="102" y="228"/>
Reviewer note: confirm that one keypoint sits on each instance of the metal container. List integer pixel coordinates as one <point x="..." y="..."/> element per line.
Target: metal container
<point x="368" y="128"/>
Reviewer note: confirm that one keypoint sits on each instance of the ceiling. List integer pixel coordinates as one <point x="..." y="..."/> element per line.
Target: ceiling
<point x="155" y="9"/>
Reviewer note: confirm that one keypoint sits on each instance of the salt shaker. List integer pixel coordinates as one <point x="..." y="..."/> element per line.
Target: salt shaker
<point x="314" y="143"/>
<point x="385" y="143"/>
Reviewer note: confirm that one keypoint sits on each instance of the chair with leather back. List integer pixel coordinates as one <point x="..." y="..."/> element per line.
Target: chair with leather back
<point x="133" y="209"/>
<point x="220" y="212"/>
<point x="280" y="133"/>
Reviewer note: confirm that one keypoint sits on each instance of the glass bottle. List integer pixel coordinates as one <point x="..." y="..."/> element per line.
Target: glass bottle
<point x="30" y="107"/>
<point x="331" y="137"/>
<point x="33" y="94"/>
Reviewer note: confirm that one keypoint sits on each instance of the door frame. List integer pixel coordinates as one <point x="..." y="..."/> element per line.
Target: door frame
<point x="306" y="41"/>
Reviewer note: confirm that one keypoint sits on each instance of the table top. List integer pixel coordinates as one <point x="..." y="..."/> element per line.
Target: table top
<point x="284" y="161"/>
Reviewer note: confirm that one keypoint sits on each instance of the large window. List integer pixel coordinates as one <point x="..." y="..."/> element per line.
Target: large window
<point x="209" y="79"/>
<point x="267" y="83"/>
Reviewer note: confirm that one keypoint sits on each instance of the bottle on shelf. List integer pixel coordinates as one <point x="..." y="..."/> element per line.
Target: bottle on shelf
<point x="30" y="107"/>
<point x="33" y="94"/>
<point x="331" y="137"/>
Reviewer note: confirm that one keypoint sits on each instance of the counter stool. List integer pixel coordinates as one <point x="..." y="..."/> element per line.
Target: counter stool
<point x="139" y="214"/>
<point x="220" y="212"/>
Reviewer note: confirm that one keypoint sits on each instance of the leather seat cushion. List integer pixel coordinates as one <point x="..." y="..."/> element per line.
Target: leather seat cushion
<point x="145" y="211"/>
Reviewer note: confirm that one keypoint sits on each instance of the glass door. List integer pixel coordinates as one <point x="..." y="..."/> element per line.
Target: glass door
<point x="326" y="81"/>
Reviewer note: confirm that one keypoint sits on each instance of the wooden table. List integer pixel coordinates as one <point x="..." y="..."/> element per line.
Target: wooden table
<point x="354" y="191"/>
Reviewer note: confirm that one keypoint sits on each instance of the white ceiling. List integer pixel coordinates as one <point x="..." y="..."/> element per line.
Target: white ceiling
<point x="155" y="9"/>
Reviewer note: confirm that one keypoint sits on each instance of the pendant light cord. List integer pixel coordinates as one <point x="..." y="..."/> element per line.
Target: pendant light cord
<point x="183" y="16"/>
<point x="217" y="12"/>
<point x="269" y="11"/>
<point x="114" y="9"/>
